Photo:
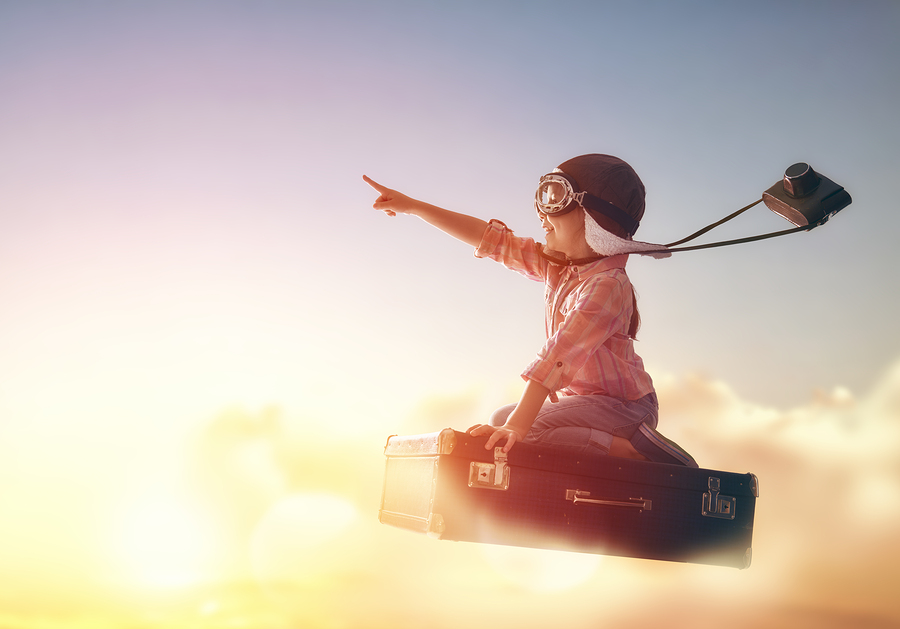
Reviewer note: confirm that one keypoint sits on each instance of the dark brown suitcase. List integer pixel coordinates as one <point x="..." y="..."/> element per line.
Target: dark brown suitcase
<point x="447" y="485"/>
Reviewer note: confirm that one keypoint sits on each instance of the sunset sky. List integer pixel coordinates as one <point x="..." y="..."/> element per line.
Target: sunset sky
<point x="207" y="333"/>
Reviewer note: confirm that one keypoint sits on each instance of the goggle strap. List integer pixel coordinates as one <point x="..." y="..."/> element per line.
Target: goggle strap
<point x="591" y="203"/>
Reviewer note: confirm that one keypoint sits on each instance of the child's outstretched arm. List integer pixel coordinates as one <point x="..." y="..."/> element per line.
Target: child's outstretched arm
<point x="461" y="226"/>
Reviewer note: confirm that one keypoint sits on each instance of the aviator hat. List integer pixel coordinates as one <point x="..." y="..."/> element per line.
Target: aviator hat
<point x="612" y="180"/>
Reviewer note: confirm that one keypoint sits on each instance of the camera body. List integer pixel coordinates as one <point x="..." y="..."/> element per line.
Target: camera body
<point x="804" y="197"/>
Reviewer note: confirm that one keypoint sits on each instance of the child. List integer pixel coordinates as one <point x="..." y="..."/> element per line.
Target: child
<point x="586" y="389"/>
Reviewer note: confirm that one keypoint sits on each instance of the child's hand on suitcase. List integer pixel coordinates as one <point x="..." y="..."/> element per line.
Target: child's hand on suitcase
<point x="496" y="435"/>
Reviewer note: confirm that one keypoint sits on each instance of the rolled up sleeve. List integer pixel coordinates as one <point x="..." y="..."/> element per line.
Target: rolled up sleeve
<point x="596" y="315"/>
<point x="522" y="255"/>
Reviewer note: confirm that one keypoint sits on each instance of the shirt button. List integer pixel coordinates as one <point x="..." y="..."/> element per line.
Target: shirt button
<point x="559" y="364"/>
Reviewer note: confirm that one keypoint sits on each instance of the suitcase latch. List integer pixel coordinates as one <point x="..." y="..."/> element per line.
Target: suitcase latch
<point x="490" y="475"/>
<point x="716" y="505"/>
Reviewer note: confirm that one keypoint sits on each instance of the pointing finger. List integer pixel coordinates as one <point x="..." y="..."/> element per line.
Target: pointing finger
<point x="376" y="185"/>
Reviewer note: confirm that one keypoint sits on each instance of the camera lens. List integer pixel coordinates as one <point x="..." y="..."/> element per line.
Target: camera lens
<point x="800" y="180"/>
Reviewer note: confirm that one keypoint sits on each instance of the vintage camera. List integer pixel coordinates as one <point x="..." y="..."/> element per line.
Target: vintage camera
<point x="804" y="197"/>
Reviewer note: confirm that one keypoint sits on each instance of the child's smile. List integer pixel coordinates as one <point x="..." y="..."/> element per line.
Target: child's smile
<point x="565" y="233"/>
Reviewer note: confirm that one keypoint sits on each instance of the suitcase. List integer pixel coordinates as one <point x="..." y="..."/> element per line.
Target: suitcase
<point x="447" y="485"/>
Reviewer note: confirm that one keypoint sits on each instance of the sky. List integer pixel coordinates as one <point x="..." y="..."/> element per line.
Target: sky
<point x="207" y="333"/>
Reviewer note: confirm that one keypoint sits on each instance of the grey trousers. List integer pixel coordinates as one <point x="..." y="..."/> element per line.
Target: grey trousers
<point x="584" y="422"/>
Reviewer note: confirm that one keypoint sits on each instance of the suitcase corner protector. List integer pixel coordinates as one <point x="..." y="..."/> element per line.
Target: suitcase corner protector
<point x="446" y="441"/>
<point x="436" y="526"/>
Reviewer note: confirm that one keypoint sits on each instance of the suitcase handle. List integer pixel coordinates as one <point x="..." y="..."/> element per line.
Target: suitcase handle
<point x="576" y="496"/>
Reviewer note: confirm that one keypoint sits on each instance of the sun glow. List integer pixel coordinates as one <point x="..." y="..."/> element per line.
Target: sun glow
<point x="164" y="542"/>
<point x="291" y="542"/>
<point x="541" y="570"/>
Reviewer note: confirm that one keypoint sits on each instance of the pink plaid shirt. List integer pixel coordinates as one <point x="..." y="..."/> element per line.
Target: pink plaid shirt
<point x="588" y="313"/>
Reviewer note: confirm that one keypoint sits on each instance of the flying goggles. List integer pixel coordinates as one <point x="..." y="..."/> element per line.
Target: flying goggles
<point x="558" y="194"/>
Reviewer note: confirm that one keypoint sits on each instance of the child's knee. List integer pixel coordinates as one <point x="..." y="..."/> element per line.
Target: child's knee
<point x="499" y="417"/>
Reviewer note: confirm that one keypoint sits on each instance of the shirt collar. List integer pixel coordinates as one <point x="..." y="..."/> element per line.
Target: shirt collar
<point x="601" y="265"/>
<point x="584" y="268"/>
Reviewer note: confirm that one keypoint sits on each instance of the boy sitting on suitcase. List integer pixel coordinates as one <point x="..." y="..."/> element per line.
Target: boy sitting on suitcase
<point x="587" y="389"/>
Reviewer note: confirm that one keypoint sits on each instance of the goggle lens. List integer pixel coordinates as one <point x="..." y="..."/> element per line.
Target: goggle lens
<point x="553" y="195"/>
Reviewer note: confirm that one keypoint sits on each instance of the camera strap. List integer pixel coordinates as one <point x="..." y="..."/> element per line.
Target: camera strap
<point x="669" y="247"/>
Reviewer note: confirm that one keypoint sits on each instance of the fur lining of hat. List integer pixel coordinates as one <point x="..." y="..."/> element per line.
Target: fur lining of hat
<point x="605" y="243"/>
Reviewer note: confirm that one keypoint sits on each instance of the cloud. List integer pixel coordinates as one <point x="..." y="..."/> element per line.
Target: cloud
<point x="245" y="462"/>
<point x="834" y="431"/>
<point x="825" y="548"/>
<point x="829" y="503"/>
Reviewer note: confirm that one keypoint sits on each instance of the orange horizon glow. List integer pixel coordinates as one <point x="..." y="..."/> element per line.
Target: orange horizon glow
<point x="271" y="548"/>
